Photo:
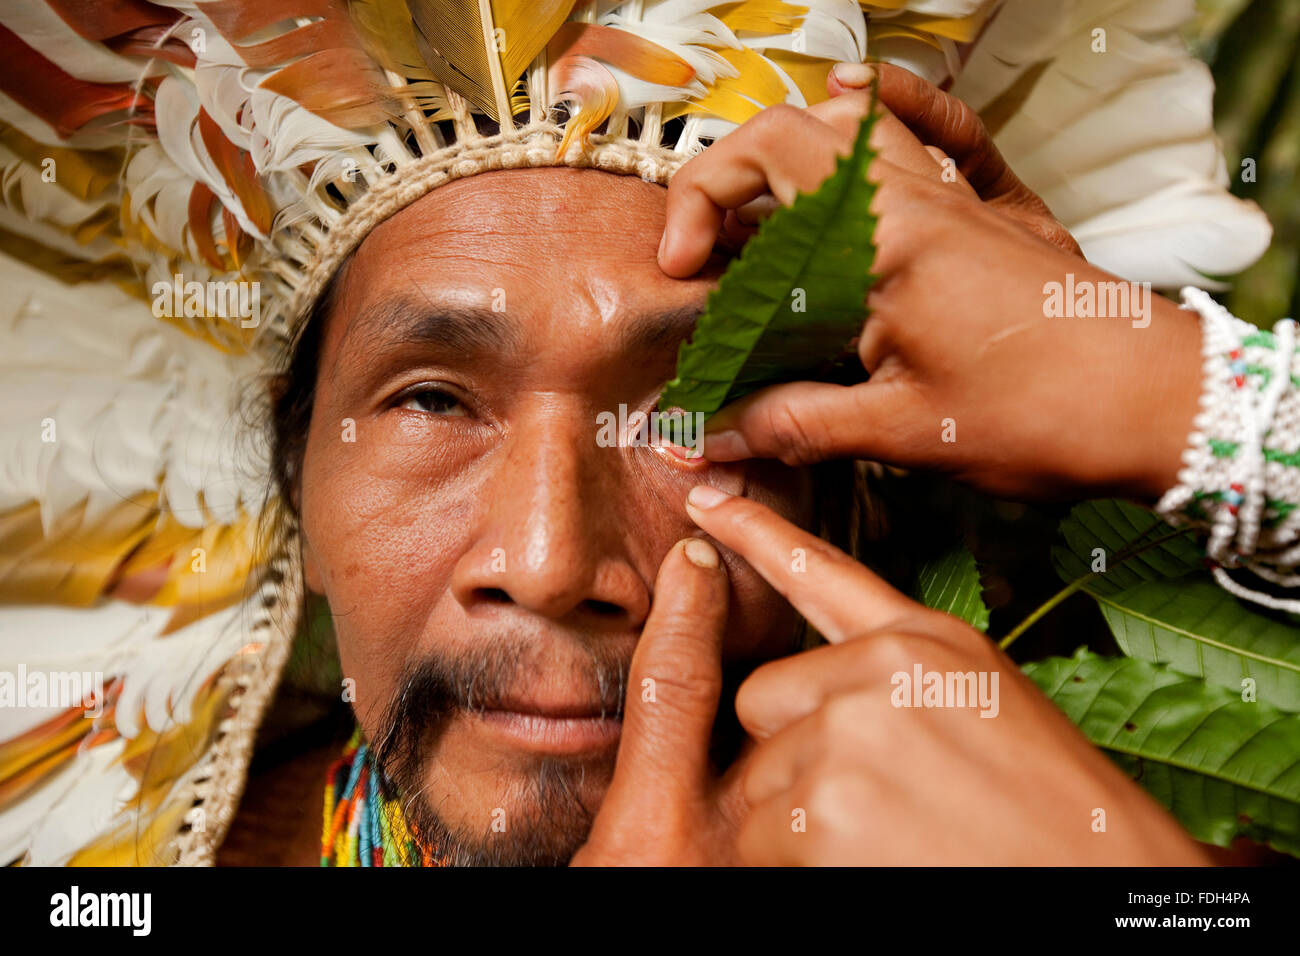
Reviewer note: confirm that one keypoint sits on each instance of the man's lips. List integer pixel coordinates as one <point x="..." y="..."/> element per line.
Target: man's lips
<point x="552" y="735"/>
<point x="552" y="727"/>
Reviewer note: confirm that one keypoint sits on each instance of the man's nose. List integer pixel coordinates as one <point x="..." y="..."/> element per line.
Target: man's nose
<point x="553" y="533"/>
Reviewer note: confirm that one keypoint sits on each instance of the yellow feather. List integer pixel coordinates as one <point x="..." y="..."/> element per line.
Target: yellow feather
<point x="889" y="30"/>
<point x="149" y="820"/>
<point x="736" y="99"/>
<point x="130" y="844"/>
<point x="961" y="29"/>
<point x="761" y="16"/>
<point x="808" y="72"/>
<point x="72" y="565"/>
<point x="84" y="173"/>
<point x="491" y="43"/>
<point x="30" y="758"/>
<point x="215" y="578"/>
<point x="389" y="35"/>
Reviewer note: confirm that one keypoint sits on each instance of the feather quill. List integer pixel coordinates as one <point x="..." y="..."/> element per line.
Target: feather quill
<point x="478" y="48"/>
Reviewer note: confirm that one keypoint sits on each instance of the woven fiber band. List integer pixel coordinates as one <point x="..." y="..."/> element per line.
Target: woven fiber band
<point x="531" y="146"/>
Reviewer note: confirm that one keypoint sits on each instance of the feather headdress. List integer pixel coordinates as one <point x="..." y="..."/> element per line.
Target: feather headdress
<point x="152" y="151"/>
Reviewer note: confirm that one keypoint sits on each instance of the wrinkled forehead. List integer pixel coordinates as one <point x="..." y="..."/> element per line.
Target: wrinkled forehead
<point x="521" y="254"/>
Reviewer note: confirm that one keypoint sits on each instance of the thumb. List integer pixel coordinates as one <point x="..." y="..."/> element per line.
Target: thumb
<point x="802" y="423"/>
<point x="674" y="684"/>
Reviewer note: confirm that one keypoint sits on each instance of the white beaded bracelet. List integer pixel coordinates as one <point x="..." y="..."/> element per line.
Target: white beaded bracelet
<point x="1248" y="398"/>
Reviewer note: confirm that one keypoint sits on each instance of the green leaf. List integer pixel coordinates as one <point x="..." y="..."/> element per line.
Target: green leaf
<point x="1110" y="546"/>
<point x="1135" y="544"/>
<point x="1163" y="608"/>
<point x="1199" y="629"/>
<point x="793" y="300"/>
<point x="951" y="583"/>
<point x="1224" y="767"/>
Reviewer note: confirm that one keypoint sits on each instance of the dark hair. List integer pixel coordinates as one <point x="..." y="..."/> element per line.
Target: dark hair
<point x="293" y="393"/>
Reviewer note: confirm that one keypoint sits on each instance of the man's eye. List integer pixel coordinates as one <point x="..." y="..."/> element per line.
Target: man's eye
<point x="435" y="401"/>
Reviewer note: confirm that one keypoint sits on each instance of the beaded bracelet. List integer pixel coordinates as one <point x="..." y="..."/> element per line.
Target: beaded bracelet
<point x="1241" y="474"/>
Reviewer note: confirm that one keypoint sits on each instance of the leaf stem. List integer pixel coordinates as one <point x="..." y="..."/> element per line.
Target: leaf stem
<point x="1130" y="550"/>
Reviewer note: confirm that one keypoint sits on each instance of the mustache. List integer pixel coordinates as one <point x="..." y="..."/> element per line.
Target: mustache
<point x="436" y="688"/>
<point x="490" y="676"/>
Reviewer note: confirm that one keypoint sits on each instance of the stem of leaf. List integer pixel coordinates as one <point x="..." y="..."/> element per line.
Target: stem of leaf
<point x="1130" y="550"/>
<point x="1043" y="609"/>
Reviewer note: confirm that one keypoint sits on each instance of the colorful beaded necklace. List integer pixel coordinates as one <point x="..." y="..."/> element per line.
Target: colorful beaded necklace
<point x="363" y="821"/>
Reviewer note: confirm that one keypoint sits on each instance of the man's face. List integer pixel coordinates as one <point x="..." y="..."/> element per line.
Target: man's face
<point x="488" y="562"/>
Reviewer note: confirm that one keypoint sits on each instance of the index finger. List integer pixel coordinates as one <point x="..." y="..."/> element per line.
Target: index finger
<point x="838" y="596"/>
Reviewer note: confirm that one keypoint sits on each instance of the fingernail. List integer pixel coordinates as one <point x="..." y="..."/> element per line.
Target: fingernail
<point x="701" y="553"/>
<point x="726" y="445"/>
<point x="706" y="496"/>
<point x="663" y="241"/>
<point x="855" y="75"/>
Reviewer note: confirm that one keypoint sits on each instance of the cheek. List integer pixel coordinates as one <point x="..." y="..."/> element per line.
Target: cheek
<point x="760" y="622"/>
<point x="382" y="544"/>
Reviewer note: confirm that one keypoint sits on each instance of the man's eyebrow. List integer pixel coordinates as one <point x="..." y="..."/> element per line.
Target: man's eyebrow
<point x="476" y="329"/>
<point x="655" y="331"/>
<point x="457" y="328"/>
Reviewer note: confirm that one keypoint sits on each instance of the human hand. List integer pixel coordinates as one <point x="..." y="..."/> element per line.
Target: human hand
<point x="970" y="374"/>
<point x="719" y="196"/>
<point x="1008" y="782"/>
<point x="723" y="193"/>
<point x="974" y="375"/>
<point x="952" y="130"/>
<point x="666" y="805"/>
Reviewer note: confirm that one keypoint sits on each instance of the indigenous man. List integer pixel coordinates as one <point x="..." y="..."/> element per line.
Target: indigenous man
<point x="455" y="281"/>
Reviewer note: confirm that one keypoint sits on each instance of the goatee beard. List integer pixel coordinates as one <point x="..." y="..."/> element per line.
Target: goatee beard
<point x="547" y="820"/>
<point x="552" y="807"/>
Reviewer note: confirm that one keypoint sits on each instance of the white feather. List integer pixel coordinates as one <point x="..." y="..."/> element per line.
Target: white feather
<point x="32" y="126"/>
<point x="139" y="406"/>
<point x="24" y="187"/>
<point x="1107" y="137"/>
<point x="45" y="31"/>
<point x="1178" y="236"/>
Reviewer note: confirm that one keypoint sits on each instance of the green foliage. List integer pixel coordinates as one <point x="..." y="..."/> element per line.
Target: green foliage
<point x="1160" y="607"/>
<point x="1223" y="766"/>
<point x="1134" y="544"/>
<point x="951" y="583"/>
<point x="795" y="296"/>
<point x="1202" y="710"/>
<point x="1163" y="608"/>
<point x="1201" y="630"/>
